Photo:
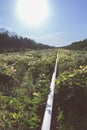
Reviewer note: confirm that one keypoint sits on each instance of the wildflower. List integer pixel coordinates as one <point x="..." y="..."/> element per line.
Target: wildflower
<point x="36" y="94"/>
<point x="81" y="67"/>
<point x="13" y="70"/>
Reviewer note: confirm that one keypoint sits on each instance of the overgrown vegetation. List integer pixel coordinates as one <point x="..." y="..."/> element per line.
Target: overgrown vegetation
<point x="71" y="90"/>
<point x="24" y="88"/>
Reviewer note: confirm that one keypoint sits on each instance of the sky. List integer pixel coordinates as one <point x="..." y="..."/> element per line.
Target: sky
<point x="66" y="22"/>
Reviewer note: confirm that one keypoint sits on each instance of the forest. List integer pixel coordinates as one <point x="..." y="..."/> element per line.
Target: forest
<point x="80" y="45"/>
<point x="10" y="42"/>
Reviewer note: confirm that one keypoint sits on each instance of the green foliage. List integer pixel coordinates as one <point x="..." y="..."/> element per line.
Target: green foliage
<point x="71" y="91"/>
<point x="70" y="60"/>
<point x="24" y="88"/>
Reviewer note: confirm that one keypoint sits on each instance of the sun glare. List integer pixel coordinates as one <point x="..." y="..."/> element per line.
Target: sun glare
<point x="32" y="12"/>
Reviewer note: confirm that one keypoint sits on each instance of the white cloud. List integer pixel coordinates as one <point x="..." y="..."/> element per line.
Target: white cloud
<point x="54" y="39"/>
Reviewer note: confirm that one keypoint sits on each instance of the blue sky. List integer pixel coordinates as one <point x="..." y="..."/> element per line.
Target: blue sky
<point x="66" y="22"/>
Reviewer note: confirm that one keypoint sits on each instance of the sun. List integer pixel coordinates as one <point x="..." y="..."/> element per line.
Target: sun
<point x="32" y="12"/>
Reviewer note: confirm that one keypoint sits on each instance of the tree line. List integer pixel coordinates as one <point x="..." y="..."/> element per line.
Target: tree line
<point x="80" y="45"/>
<point x="16" y="43"/>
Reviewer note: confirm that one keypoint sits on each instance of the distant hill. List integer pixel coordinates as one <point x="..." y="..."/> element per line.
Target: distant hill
<point x="81" y="45"/>
<point x="11" y="42"/>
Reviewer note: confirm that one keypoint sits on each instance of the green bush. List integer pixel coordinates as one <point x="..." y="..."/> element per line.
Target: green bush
<point x="71" y="94"/>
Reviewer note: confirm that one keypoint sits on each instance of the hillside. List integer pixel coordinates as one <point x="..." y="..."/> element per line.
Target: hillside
<point x="81" y="45"/>
<point x="12" y="43"/>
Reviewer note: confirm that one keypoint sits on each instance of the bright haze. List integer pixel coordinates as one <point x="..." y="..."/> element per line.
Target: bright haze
<point x="51" y="22"/>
